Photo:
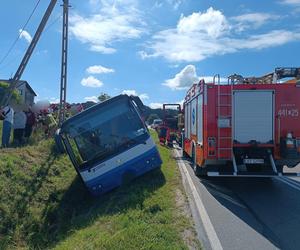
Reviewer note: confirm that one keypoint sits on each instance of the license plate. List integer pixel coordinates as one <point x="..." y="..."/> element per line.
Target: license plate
<point x="254" y="161"/>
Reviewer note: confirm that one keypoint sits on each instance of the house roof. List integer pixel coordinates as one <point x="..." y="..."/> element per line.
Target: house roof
<point x="21" y="82"/>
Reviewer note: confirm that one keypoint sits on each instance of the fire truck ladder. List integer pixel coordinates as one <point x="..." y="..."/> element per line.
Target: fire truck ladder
<point x="224" y="109"/>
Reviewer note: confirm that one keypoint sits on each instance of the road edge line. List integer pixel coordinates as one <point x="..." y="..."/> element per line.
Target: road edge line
<point x="208" y="226"/>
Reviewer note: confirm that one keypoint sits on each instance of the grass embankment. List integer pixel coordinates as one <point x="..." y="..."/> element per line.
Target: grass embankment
<point x="44" y="205"/>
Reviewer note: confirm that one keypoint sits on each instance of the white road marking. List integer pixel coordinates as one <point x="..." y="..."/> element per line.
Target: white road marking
<point x="208" y="226"/>
<point x="288" y="182"/>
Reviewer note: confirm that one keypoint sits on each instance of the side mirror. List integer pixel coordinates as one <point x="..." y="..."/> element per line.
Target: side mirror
<point x="58" y="142"/>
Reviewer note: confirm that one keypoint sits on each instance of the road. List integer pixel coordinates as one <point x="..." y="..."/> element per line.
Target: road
<point x="244" y="213"/>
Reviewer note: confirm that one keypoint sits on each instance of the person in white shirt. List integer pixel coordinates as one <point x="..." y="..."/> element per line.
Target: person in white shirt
<point x="7" y="115"/>
<point x="19" y="127"/>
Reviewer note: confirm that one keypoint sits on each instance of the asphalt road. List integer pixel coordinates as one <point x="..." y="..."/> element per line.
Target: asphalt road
<point x="248" y="213"/>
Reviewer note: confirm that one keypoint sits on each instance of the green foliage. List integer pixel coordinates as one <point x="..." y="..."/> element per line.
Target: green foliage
<point x="103" y="97"/>
<point x="151" y="118"/>
<point x="3" y="89"/>
<point x="44" y="205"/>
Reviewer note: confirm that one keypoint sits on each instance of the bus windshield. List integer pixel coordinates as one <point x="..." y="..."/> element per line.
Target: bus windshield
<point x="108" y="130"/>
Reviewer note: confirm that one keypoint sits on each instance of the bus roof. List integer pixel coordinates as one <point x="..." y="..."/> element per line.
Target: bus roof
<point x="92" y="109"/>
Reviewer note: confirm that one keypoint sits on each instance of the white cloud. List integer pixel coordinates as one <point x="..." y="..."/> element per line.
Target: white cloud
<point x="175" y="3"/>
<point x="98" y="69"/>
<point x="254" y="20"/>
<point x="54" y="100"/>
<point x="24" y="34"/>
<point x="184" y="79"/>
<point x="91" y="82"/>
<point x="291" y="2"/>
<point x="91" y="99"/>
<point x="202" y="35"/>
<point x="114" y="21"/>
<point x="157" y="4"/>
<point x="129" y="92"/>
<point x="133" y="92"/>
<point x="212" y="22"/>
<point x="187" y="77"/>
<point x="156" y="105"/>
<point x="144" y="96"/>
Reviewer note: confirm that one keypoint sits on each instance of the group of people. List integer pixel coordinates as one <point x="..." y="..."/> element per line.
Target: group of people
<point x="23" y="121"/>
<point x="20" y="121"/>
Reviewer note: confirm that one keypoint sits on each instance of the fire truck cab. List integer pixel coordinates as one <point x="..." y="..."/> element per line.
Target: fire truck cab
<point x="245" y="127"/>
<point x="170" y="130"/>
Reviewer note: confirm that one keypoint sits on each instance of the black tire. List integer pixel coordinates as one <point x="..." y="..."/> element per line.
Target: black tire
<point x="184" y="154"/>
<point x="194" y="162"/>
<point x="198" y="170"/>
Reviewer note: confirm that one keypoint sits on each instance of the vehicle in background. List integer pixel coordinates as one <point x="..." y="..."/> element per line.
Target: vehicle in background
<point x="109" y="144"/>
<point x="156" y="123"/>
<point x="170" y="130"/>
<point x="248" y="126"/>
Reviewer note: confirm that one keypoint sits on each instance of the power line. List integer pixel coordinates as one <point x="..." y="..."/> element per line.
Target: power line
<point x="18" y="37"/>
<point x="52" y="23"/>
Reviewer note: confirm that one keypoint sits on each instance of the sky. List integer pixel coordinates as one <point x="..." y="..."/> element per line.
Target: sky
<point x="155" y="49"/>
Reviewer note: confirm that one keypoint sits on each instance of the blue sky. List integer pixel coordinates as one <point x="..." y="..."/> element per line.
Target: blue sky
<point x="152" y="48"/>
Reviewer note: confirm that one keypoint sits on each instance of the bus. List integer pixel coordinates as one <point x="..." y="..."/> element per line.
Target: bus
<point x="109" y="144"/>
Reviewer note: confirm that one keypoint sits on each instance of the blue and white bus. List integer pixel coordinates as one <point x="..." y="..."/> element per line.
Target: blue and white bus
<point x="109" y="144"/>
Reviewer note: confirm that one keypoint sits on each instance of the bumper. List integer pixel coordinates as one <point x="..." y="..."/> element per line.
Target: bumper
<point x="114" y="178"/>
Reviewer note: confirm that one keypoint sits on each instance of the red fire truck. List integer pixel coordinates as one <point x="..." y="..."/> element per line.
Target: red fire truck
<point x="245" y="127"/>
<point x="170" y="129"/>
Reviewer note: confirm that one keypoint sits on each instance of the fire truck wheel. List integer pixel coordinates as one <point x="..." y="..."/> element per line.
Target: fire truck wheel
<point x="200" y="171"/>
<point x="184" y="154"/>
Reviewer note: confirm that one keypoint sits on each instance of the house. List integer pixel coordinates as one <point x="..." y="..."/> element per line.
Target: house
<point x="26" y="92"/>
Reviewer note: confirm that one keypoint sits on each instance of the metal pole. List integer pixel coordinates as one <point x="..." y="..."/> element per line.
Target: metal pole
<point x="64" y="60"/>
<point x="14" y="81"/>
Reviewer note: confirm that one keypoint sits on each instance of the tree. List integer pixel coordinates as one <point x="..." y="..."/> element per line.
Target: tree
<point x="151" y="118"/>
<point x="103" y="97"/>
<point x="16" y="97"/>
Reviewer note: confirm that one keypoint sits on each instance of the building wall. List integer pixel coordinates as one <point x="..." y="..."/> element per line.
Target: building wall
<point x="27" y="97"/>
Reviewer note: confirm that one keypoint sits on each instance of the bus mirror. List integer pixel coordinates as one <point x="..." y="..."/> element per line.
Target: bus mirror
<point x="58" y="142"/>
<point x="138" y="103"/>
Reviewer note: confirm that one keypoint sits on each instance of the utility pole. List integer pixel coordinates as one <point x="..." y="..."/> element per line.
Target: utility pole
<point x="14" y="81"/>
<point x="64" y="60"/>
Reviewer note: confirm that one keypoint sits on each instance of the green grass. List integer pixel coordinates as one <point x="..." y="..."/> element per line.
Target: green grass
<point x="44" y="205"/>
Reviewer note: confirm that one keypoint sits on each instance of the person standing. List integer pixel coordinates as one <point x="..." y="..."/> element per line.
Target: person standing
<point x="19" y="127"/>
<point x="7" y="114"/>
<point x="30" y="122"/>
